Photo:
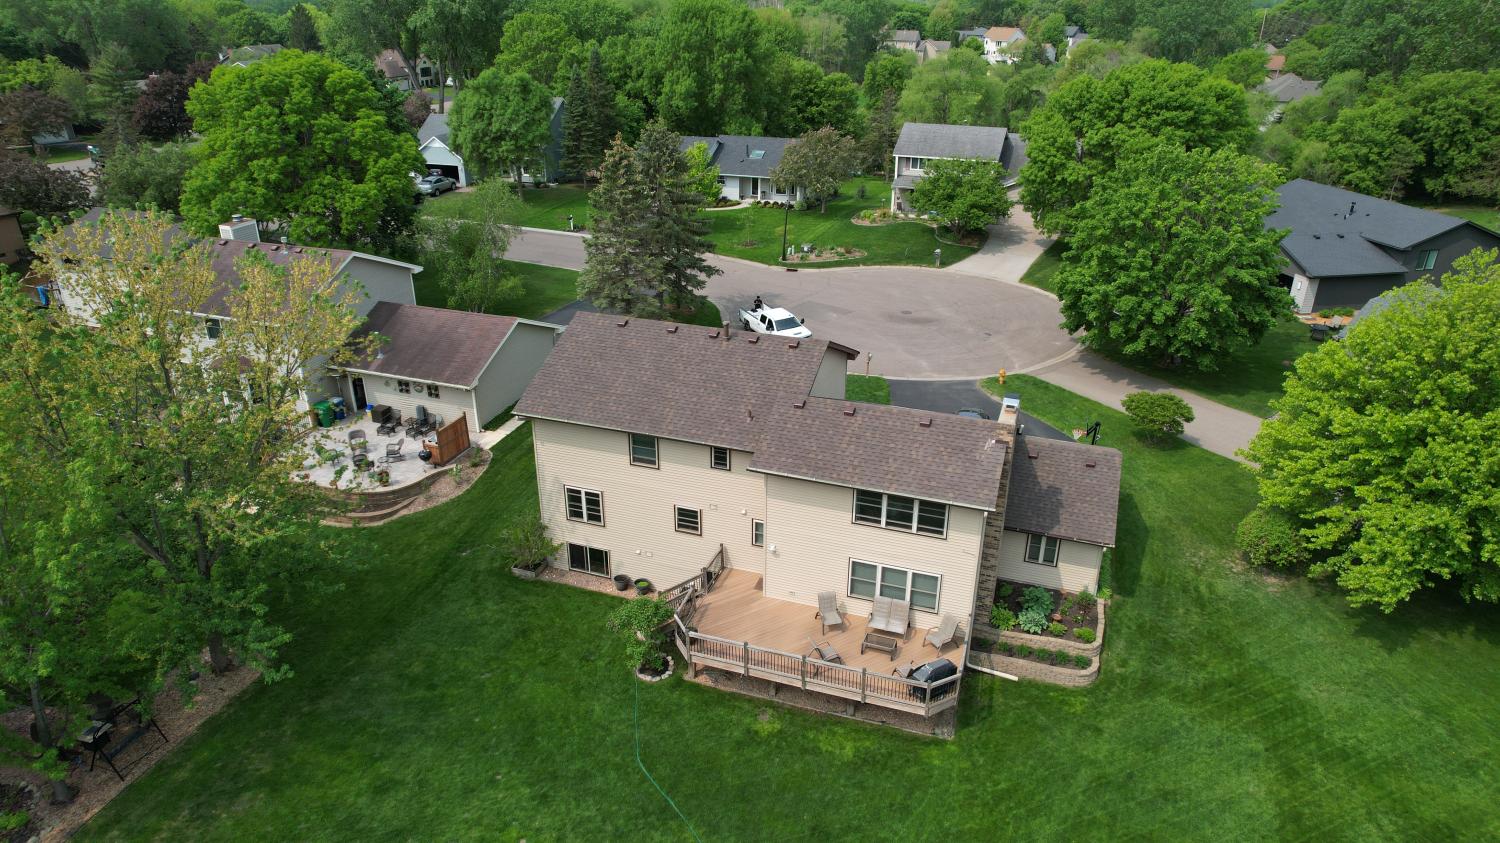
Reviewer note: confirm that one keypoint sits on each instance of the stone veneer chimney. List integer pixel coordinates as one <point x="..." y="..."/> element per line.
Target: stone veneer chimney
<point x="994" y="527"/>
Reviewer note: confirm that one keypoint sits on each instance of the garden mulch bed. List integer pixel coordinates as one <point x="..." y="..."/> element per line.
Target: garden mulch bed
<point x="96" y="788"/>
<point x="848" y="255"/>
<point x="1076" y="616"/>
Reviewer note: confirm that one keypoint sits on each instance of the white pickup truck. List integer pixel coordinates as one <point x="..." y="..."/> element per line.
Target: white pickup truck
<point x="774" y="320"/>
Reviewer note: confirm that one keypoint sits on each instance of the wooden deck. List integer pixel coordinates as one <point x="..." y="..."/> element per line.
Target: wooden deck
<point x="737" y="610"/>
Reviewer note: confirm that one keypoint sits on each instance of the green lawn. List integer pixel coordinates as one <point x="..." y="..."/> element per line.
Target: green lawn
<point x="547" y="289"/>
<point x="755" y="233"/>
<point x="1042" y="270"/>
<point x="438" y="698"/>
<point x="1483" y="214"/>
<point x="546" y="207"/>
<point x="1252" y="378"/>
<point x="871" y="389"/>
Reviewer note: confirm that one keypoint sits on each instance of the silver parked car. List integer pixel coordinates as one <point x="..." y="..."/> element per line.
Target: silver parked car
<point x="435" y="185"/>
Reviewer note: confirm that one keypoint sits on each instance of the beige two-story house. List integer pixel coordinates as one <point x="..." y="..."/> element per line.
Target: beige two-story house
<point x="729" y="470"/>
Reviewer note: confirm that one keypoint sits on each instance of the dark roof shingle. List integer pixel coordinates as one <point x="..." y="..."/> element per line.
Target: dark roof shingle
<point x="1064" y="489"/>
<point x="743" y="155"/>
<point x="433" y="344"/>
<point x="1327" y="240"/>
<point x="939" y="140"/>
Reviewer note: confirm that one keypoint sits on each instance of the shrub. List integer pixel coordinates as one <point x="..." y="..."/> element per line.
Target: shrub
<point x="1082" y="662"/>
<point x="801" y="205"/>
<point x="1033" y="621"/>
<point x="527" y="545"/>
<point x="1056" y="628"/>
<point x="10" y="821"/>
<point x="1084" y="634"/>
<point x="644" y="615"/>
<point x="1085" y="599"/>
<point x="1105" y="593"/>
<point x="1002" y="618"/>
<point x="1160" y="414"/>
<point x="1269" y="536"/>
<point x="1004" y="590"/>
<point x="1038" y="598"/>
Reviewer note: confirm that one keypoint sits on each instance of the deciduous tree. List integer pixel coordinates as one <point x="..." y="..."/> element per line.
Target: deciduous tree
<point x="302" y="142"/>
<point x="29" y="185"/>
<point x="1160" y="414"/>
<point x="1382" y="446"/>
<point x="966" y="195"/>
<point x="1371" y="151"/>
<point x="465" y="254"/>
<point x="953" y="88"/>
<point x="704" y="68"/>
<point x="703" y="174"/>
<point x="28" y="112"/>
<point x="501" y="121"/>
<point x="160" y="112"/>
<point x="1170" y="260"/>
<point x="818" y="162"/>
<point x="140" y="176"/>
<point x="888" y="71"/>
<point x="809" y="99"/>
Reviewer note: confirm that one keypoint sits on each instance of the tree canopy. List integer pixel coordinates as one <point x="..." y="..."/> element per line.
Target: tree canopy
<point x="818" y="162"/>
<point x="300" y="142"/>
<point x="953" y="88"/>
<point x="1382" y="447"/>
<point x="1169" y="260"/>
<point x="966" y="194"/>
<point x="501" y="121"/>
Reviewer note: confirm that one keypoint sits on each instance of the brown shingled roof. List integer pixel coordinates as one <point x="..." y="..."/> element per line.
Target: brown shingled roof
<point x="433" y="344"/>
<point x="935" y="456"/>
<point x="1064" y="489"/>
<point x="678" y="381"/>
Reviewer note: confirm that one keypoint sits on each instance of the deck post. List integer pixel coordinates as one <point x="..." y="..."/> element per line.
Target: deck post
<point x="864" y="677"/>
<point x="747" y="657"/>
<point x="804" y="673"/>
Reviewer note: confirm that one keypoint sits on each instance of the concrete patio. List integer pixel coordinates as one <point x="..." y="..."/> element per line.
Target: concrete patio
<point x="340" y="473"/>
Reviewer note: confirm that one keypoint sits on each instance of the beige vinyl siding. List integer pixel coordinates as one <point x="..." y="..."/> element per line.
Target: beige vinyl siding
<point x="638" y="528"/>
<point x="381" y="389"/>
<point x="1077" y="564"/>
<point x="380" y="282"/>
<point x="502" y="382"/>
<point x="831" y="377"/>
<point x="812" y="527"/>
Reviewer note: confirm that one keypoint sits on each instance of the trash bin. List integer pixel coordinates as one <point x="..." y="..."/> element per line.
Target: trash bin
<point x="338" y="408"/>
<point x="325" y="413"/>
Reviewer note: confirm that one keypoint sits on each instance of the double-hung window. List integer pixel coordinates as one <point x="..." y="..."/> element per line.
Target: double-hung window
<point x="758" y="532"/>
<point x="584" y="505"/>
<point x="897" y="512"/>
<point x="433" y="392"/>
<point x="1042" y="550"/>
<point x="643" y="450"/>
<point x="718" y="458"/>
<point x="589" y="560"/>
<point x="869" y="580"/>
<point x="688" y="520"/>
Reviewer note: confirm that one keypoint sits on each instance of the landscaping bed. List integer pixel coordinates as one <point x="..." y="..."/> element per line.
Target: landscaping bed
<point x="833" y="253"/>
<point x="1041" y="615"/>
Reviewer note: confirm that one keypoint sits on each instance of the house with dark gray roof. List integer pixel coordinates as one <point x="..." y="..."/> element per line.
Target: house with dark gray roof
<point x="247" y="55"/>
<point x="745" y="163"/>
<point x="1287" y="88"/>
<point x="920" y="143"/>
<point x="729" y="469"/>
<point x="1345" y="248"/>
<point x="902" y="39"/>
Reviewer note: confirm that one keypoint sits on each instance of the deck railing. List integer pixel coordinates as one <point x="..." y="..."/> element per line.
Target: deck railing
<point x="810" y="674"/>
<point x="683" y="597"/>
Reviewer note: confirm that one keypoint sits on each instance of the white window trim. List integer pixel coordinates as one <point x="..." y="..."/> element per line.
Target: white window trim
<point x="728" y="458"/>
<point x="916" y="513"/>
<point x="655" y="450"/>
<point x="567" y="508"/>
<point x="1042" y="555"/>
<point x="880" y="569"/>
<point x="762" y="524"/>
<point x="677" y="509"/>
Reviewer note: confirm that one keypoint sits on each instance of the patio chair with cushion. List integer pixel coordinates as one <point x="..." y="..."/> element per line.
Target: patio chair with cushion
<point x="890" y="615"/>
<point x="359" y="443"/>
<point x="828" y="610"/>
<point x="945" y="634"/>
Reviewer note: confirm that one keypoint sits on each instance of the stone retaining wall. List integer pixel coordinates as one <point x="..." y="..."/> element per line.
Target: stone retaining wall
<point x="1027" y="669"/>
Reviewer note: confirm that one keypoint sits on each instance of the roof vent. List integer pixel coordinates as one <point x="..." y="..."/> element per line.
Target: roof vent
<point x="1317" y="237"/>
<point x="755" y="338"/>
<point x="799" y="404"/>
<point x="849" y="410"/>
<point x="1032" y="453"/>
<point x="927" y="422"/>
<point x="1089" y="464"/>
<point x="623" y="322"/>
<point x="794" y="344"/>
<point x="223" y="242"/>
<point x="671" y="329"/>
<point x="1339" y="236"/>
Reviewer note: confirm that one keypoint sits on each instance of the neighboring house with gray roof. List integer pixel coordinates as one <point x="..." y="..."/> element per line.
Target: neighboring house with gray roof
<point x="745" y="163"/>
<point x="1345" y="248"/>
<point x="902" y="39"/>
<point x="662" y="449"/>
<point x="1288" y="88"/>
<point x="919" y="143"/>
<point x="248" y="55"/>
<point x="930" y="49"/>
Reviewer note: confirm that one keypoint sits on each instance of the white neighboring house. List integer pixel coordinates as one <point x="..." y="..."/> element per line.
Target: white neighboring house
<point x="433" y="144"/>
<point x="998" y="43"/>
<point x="920" y="143"/>
<point x="745" y="163"/>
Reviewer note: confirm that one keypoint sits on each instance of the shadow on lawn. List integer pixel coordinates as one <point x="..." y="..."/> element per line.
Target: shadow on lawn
<point x="1127" y="558"/>
<point x="1436" y="613"/>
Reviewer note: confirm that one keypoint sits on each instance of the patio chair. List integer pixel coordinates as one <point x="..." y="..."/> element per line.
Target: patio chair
<point x="390" y="425"/>
<point x="828" y="610"/>
<point x="824" y="651"/>
<point x="393" y="451"/>
<point x="945" y="634"/>
<point x="890" y="615"/>
<point x="359" y="443"/>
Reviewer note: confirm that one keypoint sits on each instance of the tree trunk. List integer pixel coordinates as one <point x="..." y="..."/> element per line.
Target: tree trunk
<point x="519" y="186"/>
<point x="61" y="793"/>
<point x="218" y="654"/>
<point x="442" y="88"/>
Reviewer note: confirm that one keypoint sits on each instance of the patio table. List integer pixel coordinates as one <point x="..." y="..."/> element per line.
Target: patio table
<point x="884" y="643"/>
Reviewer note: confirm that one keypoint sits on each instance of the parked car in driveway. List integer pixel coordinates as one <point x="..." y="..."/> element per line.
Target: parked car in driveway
<point x="773" y="320"/>
<point x="435" y="185"/>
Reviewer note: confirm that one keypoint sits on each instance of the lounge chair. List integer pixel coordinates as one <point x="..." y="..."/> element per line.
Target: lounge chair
<point x="825" y="652"/>
<point x="946" y="632"/>
<point x="359" y="443"/>
<point x="828" y="610"/>
<point x="890" y="615"/>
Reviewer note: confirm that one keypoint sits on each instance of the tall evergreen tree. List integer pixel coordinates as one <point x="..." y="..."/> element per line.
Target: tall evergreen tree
<point x="301" y="32"/>
<point x="674" y="237"/>
<point x="613" y="269"/>
<point x="589" y="121"/>
<point x="576" y="119"/>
